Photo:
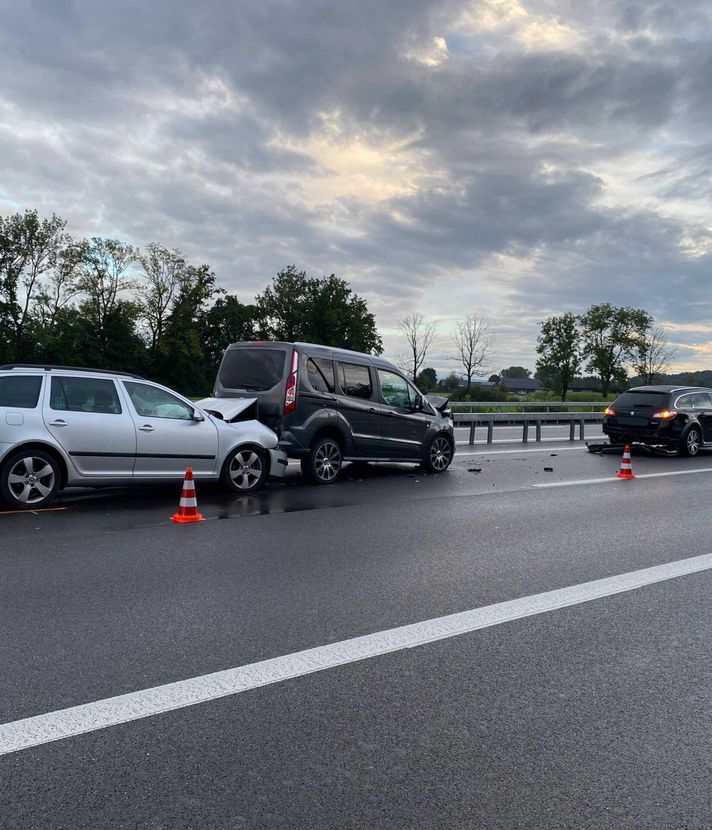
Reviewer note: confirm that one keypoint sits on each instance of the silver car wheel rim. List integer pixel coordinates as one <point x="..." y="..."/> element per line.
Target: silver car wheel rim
<point x="440" y="454"/>
<point x="327" y="461"/>
<point x="31" y="480"/>
<point x="693" y="442"/>
<point x="245" y="469"/>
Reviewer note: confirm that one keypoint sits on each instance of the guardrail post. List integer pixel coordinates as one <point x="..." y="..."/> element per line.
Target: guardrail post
<point x="538" y="430"/>
<point x="472" y="432"/>
<point x="581" y="436"/>
<point x="490" y="430"/>
<point x="572" y="430"/>
<point x="525" y="432"/>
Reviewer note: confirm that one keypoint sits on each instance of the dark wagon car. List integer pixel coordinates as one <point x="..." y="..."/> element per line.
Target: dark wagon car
<point x="674" y="417"/>
<point x="331" y="405"/>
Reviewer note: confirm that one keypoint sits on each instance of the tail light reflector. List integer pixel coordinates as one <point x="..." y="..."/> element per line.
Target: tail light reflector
<point x="290" y="396"/>
<point x="664" y="415"/>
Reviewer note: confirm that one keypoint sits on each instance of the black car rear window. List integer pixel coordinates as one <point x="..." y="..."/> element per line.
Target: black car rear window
<point x="20" y="391"/>
<point x="637" y="400"/>
<point x="252" y="368"/>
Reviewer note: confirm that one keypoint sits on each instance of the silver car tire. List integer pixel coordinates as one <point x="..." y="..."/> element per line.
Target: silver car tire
<point x="245" y="470"/>
<point x="29" y="479"/>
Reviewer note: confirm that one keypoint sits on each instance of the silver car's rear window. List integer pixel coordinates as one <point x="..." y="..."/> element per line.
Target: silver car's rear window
<point x="20" y="391"/>
<point x="633" y="400"/>
<point x="252" y="368"/>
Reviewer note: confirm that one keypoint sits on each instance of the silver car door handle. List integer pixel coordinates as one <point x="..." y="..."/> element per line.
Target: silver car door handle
<point x="58" y="423"/>
<point x="146" y="428"/>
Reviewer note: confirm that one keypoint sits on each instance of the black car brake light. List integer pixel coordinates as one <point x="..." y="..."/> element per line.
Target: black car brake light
<point x="664" y="415"/>
<point x="609" y="410"/>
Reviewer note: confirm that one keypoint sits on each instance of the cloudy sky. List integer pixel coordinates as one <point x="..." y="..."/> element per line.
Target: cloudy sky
<point x="517" y="158"/>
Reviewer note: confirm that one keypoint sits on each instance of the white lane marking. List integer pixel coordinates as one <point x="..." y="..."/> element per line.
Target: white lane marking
<point x="88" y="717"/>
<point x="580" y="481"/>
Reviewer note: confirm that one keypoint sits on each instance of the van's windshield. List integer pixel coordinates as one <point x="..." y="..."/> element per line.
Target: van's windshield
<point x="252" y="368"/>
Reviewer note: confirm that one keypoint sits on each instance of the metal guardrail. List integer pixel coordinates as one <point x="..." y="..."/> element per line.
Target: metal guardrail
<point x="489" y="419"/>
<point x="544" y="406"/>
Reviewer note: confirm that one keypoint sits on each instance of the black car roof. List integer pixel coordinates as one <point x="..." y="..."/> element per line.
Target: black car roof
<point x="668" y="389"/>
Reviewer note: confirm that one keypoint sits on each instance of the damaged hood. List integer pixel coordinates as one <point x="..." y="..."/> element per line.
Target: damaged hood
<point x="226" y="409"/>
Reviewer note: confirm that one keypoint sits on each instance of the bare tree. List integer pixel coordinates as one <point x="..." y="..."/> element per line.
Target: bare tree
<point x="419" y="334"/>
<point x="472" y="341"/>
<point x="652" y="355"/>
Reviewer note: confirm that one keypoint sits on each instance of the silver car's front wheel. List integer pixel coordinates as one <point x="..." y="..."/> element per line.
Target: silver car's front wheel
<point x="245" y="470"/>
<point x="29" y="479"/>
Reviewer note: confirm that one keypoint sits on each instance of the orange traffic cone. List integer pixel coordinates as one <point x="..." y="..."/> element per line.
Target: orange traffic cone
<point x="188" y="507"/>
<point x="626" y="471"/>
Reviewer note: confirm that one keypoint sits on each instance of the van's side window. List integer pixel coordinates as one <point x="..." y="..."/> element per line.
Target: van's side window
<point x="321" y="374"/>
<point x="355" y="380"/>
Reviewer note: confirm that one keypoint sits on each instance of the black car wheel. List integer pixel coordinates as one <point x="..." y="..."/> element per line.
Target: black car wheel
<point x="245" y="470"/>
<point x="690" y="442"/>
<point x="29" y="479"/>
<point x="438" y="455"/>
<point x="323" y="464"/>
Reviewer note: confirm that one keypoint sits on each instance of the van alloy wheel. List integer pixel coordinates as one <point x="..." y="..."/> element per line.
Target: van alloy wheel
<point x="324" y="462"/>
<point x="439" y="454"/>
<point x="327" y="461"/>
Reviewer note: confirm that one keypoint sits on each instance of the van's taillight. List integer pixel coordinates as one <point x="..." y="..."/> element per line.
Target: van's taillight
<point x="290" y="396"/>
<point x="609" y="410"/>
<point x="664" y="415"/>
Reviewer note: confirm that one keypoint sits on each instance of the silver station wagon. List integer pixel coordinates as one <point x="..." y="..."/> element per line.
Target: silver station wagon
<point x="66" y="427"/>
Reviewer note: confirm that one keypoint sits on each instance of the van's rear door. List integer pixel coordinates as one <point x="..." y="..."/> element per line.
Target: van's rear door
<point x="256" y="370"/>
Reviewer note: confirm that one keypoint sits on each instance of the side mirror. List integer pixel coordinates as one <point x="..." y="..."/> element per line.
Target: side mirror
<point x="418" y="403"/>
<point x="198" y="415"/>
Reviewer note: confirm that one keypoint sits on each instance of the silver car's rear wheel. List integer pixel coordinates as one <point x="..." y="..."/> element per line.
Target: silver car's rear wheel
<point x="245" y="470"/>
<point x="29" y="479"/>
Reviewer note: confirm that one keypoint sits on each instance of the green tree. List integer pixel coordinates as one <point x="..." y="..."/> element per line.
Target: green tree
<point x="609" y="336"/>
<point x="227" y="321"/>
<point x="163" y="275"/>
<point x="316" y="310"/>
<point x="516" y="372"/>
<point x="28" y="247"/>
<point x="560" y="353"/>
<point x="427" y="380"/>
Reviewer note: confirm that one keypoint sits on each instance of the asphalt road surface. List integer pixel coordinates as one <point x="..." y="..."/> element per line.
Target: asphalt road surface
<point x="213" y="678"/>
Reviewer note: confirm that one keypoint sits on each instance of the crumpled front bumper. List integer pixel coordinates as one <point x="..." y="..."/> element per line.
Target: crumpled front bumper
<point x="278" y="463"/>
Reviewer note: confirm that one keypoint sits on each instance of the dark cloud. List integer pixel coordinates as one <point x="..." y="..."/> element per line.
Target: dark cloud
<point x="534" y="177"/>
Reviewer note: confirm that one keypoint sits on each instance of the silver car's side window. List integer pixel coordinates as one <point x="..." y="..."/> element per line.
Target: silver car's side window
<point x="20" y="391"/>
<point x="77" y="394"/>
<point x="152" y="402"/>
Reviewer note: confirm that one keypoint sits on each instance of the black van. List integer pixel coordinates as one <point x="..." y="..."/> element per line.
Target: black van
<point x="332" y="405"/>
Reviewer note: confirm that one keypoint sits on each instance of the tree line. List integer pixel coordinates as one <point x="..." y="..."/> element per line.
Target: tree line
<point x="103" y="303"/>
<point x="608" y="340"/>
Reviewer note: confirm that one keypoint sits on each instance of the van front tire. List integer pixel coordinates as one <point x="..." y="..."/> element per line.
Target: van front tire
<point x="324" y="462"/>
